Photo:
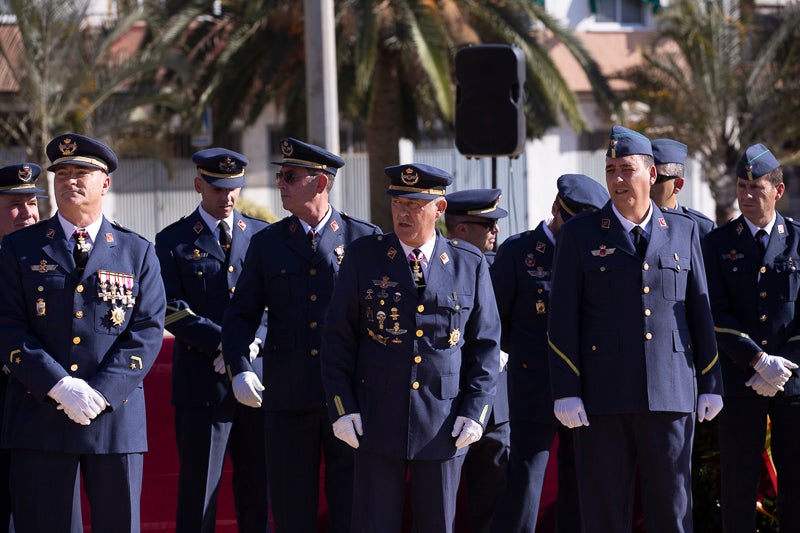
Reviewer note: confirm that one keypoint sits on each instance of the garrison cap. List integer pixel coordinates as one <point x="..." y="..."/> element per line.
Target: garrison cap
<point x="300" y="154"/>
<point x="76" y="149"/>
<point x="667" y="151"/>
<point x="20" y="178"/>
<point x="481" y="203"/>
<point x="624" y="141"/>
<point x="221" y="167"/>
<point x="755" y="162"/>
<point x="416" y="180"/>
<point x="579" y="192"/>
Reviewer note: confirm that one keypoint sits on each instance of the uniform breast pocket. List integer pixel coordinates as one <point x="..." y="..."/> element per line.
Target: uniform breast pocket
<point x="536" y="297"/>
<point x="285" y="287"/>
<point x="674" y="276"/>
<point x="453" y="310"/>
<point x="200" y="270"/>
<point x="789" y="280"/>
<point x="43" y="290"/>
<point x="599" y="273"/>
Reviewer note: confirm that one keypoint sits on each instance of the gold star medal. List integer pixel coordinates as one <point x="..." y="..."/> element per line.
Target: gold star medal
<point x="455" y="336"/>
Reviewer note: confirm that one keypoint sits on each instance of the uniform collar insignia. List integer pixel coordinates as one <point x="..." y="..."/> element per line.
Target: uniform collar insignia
<point x="739" y="229"/>
<point x="241" y="224"/>
<point x="334" y="225"/>
<point x="51" y="233"/>
<point x="391" y="252"/>
<point x="109" y="237"/>
<point x="605" y="223"/>
<point x="662" y="223"/>
<point x="444" y="259"/>
<point x="540" y="247"/>
<point x="293" y="226"/>
<point x="198" y="227"/>
<point x="780" y="228"/>
<point x="603" y="251"/>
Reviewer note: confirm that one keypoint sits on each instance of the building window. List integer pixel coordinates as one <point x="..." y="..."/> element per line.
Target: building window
<point x="621" y="11"/>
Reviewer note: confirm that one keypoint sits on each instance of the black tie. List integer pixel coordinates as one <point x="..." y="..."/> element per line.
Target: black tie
<point x="639" y="242"/>
<point x="761" y="241"/>
<point x="224" y="239"/>
<point x="81" y="249"/>
<point x="416" y="268"/>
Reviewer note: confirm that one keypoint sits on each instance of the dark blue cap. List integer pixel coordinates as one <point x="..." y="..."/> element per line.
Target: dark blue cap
<point x="221" y="167"/>
<point x="20" y="178"/>
<point x="755" y="162"/>
<point x="416" y="180"/>
<point x="481" y="203"/>
<point x="300" y="154"/>
<point x="579" y="192"/>
<point x="76" y="149"/>
<point x="669" y="151"/>
<point x="624" y="141"/>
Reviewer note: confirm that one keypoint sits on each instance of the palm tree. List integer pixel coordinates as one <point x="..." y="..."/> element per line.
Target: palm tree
<point x="719" y="82"/>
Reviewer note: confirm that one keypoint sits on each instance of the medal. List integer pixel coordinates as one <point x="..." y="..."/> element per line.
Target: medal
<point x="455" y="336"/>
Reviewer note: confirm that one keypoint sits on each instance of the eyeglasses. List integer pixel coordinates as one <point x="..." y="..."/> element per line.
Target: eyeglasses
<point x="664" y="177"/>
<point x="289" y="178"/>
<point x="489" y="224"/>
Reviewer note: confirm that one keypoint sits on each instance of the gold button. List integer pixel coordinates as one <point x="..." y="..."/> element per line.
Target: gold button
<point x="313" y="297"/>
<point x="419" y="333"/>
<point x="763" y="318"/>
<point x="458" y="307"/>
<point x="645" y="267"/>
<point x="233" y="289"/>
<point x="646" y="312"/>
<point x="594" y="347"/>
<point x="40" y="288"/>
<point x="648" y="335"/>
<point x="230" y="268"/>
<point x="79" y="288"/>
<point x="199" y="274"/>
<point x="678" y="268"/>
<point x="524" y="365"/>
<point x="676" y="256"/>
<point x="540" y="291"/>
<point x="602" y="269"/>
<point x="417" y="359"/>
<point x="646" y="289"/>
<point x="415" y="385"/>
<point x="76" y="340"/>
<point x="313" y="325"/>
<point x="314" y="352"/>
<point x="79" y="314"/>
<point x="764" y="342"/>
<point x="73" y="367"/>
<point x="420" y="308"/>
<point x="312" y="272"/>
<point x="762" y="269"/>
<point x="763" y="294"/>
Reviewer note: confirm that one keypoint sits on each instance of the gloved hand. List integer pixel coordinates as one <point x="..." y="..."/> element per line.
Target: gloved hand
<point x="503" y="360"/>
<point x="80" y="402"/>
<point x="219" y="361"/>
<point x="254" y="348"/>
<point x="774" y="369"/>
<point x="466" y="431"/>
<point x="760" y="385"/>
<point x="570" y="412"/>
<point x="247" y="389"/>
<point x="348" y="428"/>
<point x="708" y="406"/>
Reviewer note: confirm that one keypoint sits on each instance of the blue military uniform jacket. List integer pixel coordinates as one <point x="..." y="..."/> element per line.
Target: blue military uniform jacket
<point x="704" y="224"/>
<point x="755" y="303"/>
<point x="199" y="285"/>
<point x="645" y="336"/>
<point x="105" y="327"/>
<point x="500" y="408"/>
<point x="521" y="278"/>
<point x="282" y="274"/>
<point x="410" y="362"/>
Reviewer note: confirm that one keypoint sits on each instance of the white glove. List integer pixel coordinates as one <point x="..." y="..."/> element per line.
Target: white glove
<point x="760" y="385"/>
<point x="466" y="431"/>
<point x="774" y="369"/>
<point x="247" y="389"/>
<point x="708" y="406"/>
<point x="219" y="361"/>
<point x="254" y="348"/>
<point x="80" y="402"/>
<point x="503" y="360"/>
<point x="570" y="412"/>
<point x="347" y="427"/>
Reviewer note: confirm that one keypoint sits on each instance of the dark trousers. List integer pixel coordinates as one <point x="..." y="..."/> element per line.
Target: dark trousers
<point x="204" y="435"/>
<point x="380" y="488"/>
<point x="296" y="441"/>
<point x="43" y="488"/>
<point x="608" y="453"/>
<point x="484" y="474"/>
<point x="742" y="430"/>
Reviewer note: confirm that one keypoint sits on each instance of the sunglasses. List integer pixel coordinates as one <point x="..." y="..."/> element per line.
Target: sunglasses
<point x="489" y="224"/>
<point x="288" y="178"/>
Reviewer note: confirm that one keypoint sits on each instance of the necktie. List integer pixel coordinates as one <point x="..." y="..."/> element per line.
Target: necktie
<point x="761" y="241"/>
<point x="639" y="242"/>
<point x="312" y="238"/>
<point x="416" y="267"/>
<point x="224" y="238"/>
<point x="81" y="249"/>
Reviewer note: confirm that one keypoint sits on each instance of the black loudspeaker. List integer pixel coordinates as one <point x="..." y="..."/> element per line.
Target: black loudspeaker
<point x="490" y="119"/>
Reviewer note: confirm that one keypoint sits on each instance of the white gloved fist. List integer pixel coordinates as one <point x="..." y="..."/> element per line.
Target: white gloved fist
<point x="219" y="361"/>
<point x="503" y="360"/>
<point x="760" y="385"/>
<point x="708" y="406"/>
<point x="254" y="348"/>
<point x="774" y="369"/>
<point x="247" y="389"/>
<point x="80" y="402"/>
<point x="570" y="412"/>
<point x="466" y="431"/>
<point x="348" y="428"/>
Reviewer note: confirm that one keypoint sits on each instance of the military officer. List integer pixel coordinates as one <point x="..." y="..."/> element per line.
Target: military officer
<point x="522" y="275"/>
<point x="632" y="349"/>
<point x="754" y="284"/>
<point x="472" y="216"/>
<point x="290" y="269"/>
<point x="410" y="358"/>
<point x="82" y="324"/>
<point x="670" y="160"/>
<point x="201" y="258"/>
